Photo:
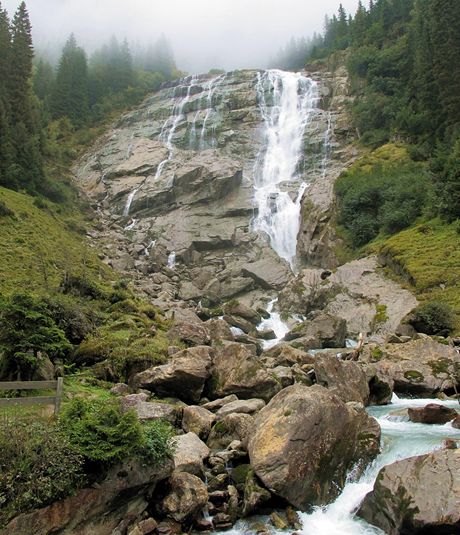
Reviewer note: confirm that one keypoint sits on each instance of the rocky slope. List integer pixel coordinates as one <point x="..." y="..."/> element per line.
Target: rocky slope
<point x="183" y="164"/>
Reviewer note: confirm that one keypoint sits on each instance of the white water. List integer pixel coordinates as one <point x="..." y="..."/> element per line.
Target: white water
<point x="166" y="135"/>
<point x="274" y="323"/>
<point x="400" y="439"/>
<point x="171" y="260"/>
<point x="211" y="89"/>
<point x="293" y="101"/>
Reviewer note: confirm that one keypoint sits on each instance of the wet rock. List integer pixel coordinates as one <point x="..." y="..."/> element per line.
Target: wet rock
<point x="345" y="378"/>
<point x="184" y="376"/>
<point x="416" y="495"/>
<point x="456" y="422"/>
<point x="187" y="497"/>
<point x="305" y="440"/>
<point x="236" y="370"/>
<point x="278" y="521"/>
<point x="255" y="496"/>
<point x="189" y="454"/>
<point x="432" y="414"/>
<point x="197" y="420"/>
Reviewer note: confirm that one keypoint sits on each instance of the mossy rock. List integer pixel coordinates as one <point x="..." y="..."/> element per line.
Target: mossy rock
<point x="414" y="376"/>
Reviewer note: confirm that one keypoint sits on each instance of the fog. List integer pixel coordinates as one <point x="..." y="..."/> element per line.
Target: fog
<point x="203" y="33"/>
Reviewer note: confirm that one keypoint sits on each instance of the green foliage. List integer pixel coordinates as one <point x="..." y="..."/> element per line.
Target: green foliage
<point x="5" y="211"/>
<point x="427" y="257"/>
<point x="381" y="315"/>
<point x="27" y="334"/>
<point x="158" y="444"/>
<point x="381" y="196"/>
<point x="100" y="431"/>
<point x="38" y="465"/>
<point x="433" y="318"/>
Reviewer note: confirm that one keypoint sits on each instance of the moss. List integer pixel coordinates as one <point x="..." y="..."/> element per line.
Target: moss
<point x="426" y="258"/>
<point x="381" y="315"/>
<point x="376" y="354"/>
<point x="414" y="376"/>
<point x="240" y="473"/>
<point x="220" y="428"/>
<point x="440" y="367"/>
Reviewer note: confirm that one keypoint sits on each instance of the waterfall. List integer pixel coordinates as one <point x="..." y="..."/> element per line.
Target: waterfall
<point x="293" y="101"/>
<point x="166" y="135"/>
<point x="211" y="89"/>
<point x="171" y="263"/>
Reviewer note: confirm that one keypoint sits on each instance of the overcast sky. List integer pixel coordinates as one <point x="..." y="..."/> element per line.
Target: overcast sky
<point x="204" y="33"/>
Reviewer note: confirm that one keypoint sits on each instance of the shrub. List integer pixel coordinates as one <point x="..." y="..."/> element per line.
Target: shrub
<point x="433" y="318"/>
<point x="4" y="210"/>
<point x="100" y="431"/>
<point x="158" y="444"/>
<point x="38" y="465"/>
<point x="27" y="331"/>
<point x="382" y="194"/>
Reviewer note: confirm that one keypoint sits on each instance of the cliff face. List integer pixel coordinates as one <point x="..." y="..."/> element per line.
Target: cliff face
<point x="175" y="183"/>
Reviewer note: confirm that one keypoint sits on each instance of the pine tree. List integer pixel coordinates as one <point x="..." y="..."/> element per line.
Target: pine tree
<point x="70" y="95"/>
<point x="5" y="55"/>
<point x="27" y="168"/>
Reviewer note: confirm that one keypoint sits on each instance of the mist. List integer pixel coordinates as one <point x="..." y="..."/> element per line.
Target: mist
<point x="204" y="34"/>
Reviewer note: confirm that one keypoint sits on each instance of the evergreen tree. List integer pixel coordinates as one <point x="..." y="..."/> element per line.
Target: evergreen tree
<point x="70" y="95"/>
<point x="5" y="55"/>
<point x="26" y="171"/>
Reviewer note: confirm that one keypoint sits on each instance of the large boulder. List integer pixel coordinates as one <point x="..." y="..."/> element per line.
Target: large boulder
<point x="236" y="370"/>
<point x="344" y="378"/>
<point x="420" y="367"/>
<point x="305" y="440"/>
<point x="417" y="495"/>
<point x="433" y="413"/>
<point x="192" y="333"/>
<point x="321" y="332"/>
<point x="187" y="497"/>
<point x="189" y="454"/>
<point x="183" y="377"/>
<point x="243" y="406"/>
<point x="97" y="510"/>
<point x="197" y="420"/>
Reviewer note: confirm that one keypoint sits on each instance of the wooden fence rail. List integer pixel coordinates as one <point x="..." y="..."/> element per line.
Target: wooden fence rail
<point x="34" y="385"/>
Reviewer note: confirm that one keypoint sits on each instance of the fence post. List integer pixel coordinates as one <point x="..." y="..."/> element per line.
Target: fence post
<point x="59" y="388"/>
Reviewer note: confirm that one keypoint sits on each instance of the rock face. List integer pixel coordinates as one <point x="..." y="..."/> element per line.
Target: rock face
<point x="98" y="510"/>
<point x="417" y="495"/>
<point x="321" y="332"/>
<point x="183" y="377"/>
<point x="420" y="367"/>
<point x="304" y="441"/>
<point x="356" y="292"/>
<point x="189" y="454"/>
<point x="432" y="414"/>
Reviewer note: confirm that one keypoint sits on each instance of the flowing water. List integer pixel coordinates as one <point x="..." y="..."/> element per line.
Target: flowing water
<point x="400" y="439"/>
<point x="287" y="102"/>
<point x="273" y="323"/>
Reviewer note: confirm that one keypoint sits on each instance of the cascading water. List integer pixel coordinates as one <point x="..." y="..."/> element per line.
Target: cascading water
<point x="293" y="101"/>
<point x="400" y="439"/>
<point x="212" y="87"/>
<point x="166" y="135"/>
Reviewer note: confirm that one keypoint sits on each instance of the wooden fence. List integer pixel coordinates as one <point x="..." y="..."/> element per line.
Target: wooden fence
<point x="34" y="385"/>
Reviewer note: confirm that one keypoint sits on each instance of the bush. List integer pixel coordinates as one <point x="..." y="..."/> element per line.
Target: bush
<point x="433" y="318"/>
<point x="381" y="195"/>
<point x="27" y="332"/>
<point x="100" y="431"/>
<point x="158" y="444"/>
<point x="38" y="465"/>
<point x="4" y="210"/>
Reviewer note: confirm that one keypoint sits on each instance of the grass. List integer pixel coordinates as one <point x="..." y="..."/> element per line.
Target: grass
<point x="39" y="245"/>
<point x="427" y="259"/>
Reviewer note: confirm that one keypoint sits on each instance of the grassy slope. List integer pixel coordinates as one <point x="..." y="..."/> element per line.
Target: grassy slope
<point x="428" y="258"/>
<point x="39" y="245"/>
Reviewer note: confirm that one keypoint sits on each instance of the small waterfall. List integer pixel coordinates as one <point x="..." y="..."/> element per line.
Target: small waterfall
<point x="166" y="135"/>
<point x="326" y="145"/>
<point x="212" y="87"/>
<point x="293" y="101"/>
<point x="274" y="323"/>
<point x="171" y="260"/>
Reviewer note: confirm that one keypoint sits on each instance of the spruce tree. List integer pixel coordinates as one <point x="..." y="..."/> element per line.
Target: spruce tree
<point x="5" y="134"/>
<point x="70" y="95"/>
